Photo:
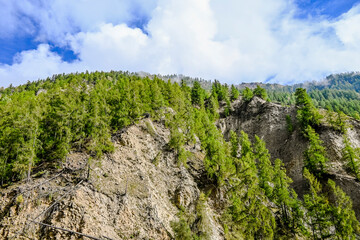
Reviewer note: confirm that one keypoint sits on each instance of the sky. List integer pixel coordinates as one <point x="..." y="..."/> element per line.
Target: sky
<point x="234" y="41"/>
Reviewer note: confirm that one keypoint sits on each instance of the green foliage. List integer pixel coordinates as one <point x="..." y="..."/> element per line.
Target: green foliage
<point x="234" y="93"/>
<point x="19" y="133"/>
<point x="260" y="92"/>
<point x="19" y="199"/>
<point x="157" y="158"/>
<point x="182" y="156"/>
<point x="202" y="219"/>
<point x="307" y="113"/>
<point x="352" y="157"/>
<point x="315" y="155"/>
<point x="289" y="124"/>
<point x="213" y="107"/>
<point x="339" y="92"/>
<point x="193" y="226"/>
<point x="220" y="91"/>
<point x="318" y="209"/>
<point x="291" y="214"/>
<point x="80" y="112"/>
<point x="248" y="209"/>
<point x="247" y="94"/>
<point x="176" y="143"/>
<point x="234" y="144"/>
<point x="182" y="229"/>
<point x="337" y="121"/>
<point x="343" y="215"/>
<point x="266" y="171"/>
<point x="197" y="94"/>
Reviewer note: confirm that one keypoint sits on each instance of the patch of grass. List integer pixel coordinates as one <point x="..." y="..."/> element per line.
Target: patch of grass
<point x="156" y="160"/>
<point x="19" y="199"/>
<point x="150" y="128"/>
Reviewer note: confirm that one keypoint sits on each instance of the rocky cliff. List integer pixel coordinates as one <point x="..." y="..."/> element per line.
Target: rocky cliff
<point x="138" y="191"/>
<point x="268" y="121"/>
<point x="134" y="193"/>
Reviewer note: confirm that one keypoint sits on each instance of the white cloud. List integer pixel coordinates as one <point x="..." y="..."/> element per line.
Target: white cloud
<point x="53" y="19"/>
<point x="230" y="40"/>
<point x="348" y="28"/>
<point x="112" y="47"/>
<point x="34" y="64"/>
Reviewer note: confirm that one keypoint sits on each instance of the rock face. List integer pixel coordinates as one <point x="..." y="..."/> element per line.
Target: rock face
<point x="137" y="191"/>
<point x="268" y="121"/>
<point x="134" y="193"/>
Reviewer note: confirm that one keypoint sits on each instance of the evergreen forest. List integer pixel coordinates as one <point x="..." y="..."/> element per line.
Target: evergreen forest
<point x="42" y="122"/>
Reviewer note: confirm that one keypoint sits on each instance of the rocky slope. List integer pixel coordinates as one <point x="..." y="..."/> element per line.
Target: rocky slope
<point x="133" y="193"/>
<point x="137" y="191"/>
<point x="268" y="121"/>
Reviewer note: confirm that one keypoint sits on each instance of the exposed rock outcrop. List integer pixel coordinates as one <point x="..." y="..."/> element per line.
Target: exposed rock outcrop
<point x="127" y="195"/>
<point x="137" y="191"/>
<point x="268" y="121"/>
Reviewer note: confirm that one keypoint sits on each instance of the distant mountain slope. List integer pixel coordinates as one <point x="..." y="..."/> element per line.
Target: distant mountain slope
<point x="337" y="92"/>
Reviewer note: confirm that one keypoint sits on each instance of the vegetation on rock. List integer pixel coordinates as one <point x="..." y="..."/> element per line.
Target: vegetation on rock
<point x="43" y="121"/>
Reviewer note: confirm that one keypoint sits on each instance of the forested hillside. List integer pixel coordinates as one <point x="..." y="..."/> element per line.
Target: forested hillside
<point x="42" y="122"/>
<point x="338" y="92"/>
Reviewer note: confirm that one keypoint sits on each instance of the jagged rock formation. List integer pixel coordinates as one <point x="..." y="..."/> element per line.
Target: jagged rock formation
<point x="268" y="121"/>
<point x="133" y="193"/>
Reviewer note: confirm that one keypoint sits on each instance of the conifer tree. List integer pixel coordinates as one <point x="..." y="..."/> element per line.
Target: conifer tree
<point x="197" y="94"/>
<point x="266" y="171"/>
<point x="247" y="94"/>
<point x="307" y="113"/>
<point x="220" y="91"/>
<point x="213" y="107"/>
<point x="315" y="155"/>
<point x="352" y="157"/>
<point x="318" y="209"/>
<point x="234" y="93"/>
<point x="260" y="92"/>
<point x="181" y="228"/>
<point x="248" y="209"/>
<point x="343" y="215"/>
<point x="56" y="125"/>
<point x="291" y="213"/>
<point x="97" y="126"/>
<point x="156" y="96"/>
<point x="234" y="140"/>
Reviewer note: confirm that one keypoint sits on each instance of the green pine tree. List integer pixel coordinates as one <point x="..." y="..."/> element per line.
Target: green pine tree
<point x="266" y="171"/>
<point x="260" y="92"/>
<point x="343" y="215"/>
<point x="307" y="113"/>
<point x="197" y="94"/>
<point x="318" y="213"/>
<point x="234" y="93"/>
<point x="291" y="217"/>
<point x="315" y="155"/>
<point x="352" y="157"/>
<point x="247" y="94"/>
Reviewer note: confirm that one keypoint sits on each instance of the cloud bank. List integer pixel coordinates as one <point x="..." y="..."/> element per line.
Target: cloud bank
<point x="230" y="40"/>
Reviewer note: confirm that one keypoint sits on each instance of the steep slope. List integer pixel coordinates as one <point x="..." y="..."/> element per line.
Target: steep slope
<point x="268" y="121"/>
<point x="142" y="158"/>
<point x="133" y="193"/>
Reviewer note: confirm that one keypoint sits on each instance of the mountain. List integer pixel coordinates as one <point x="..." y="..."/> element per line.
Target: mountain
<point x="120" y="155"/>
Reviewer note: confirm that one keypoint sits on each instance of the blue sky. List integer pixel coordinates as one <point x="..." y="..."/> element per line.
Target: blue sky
<point x="324" y="8"/>
<point x="234" y="41"/>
